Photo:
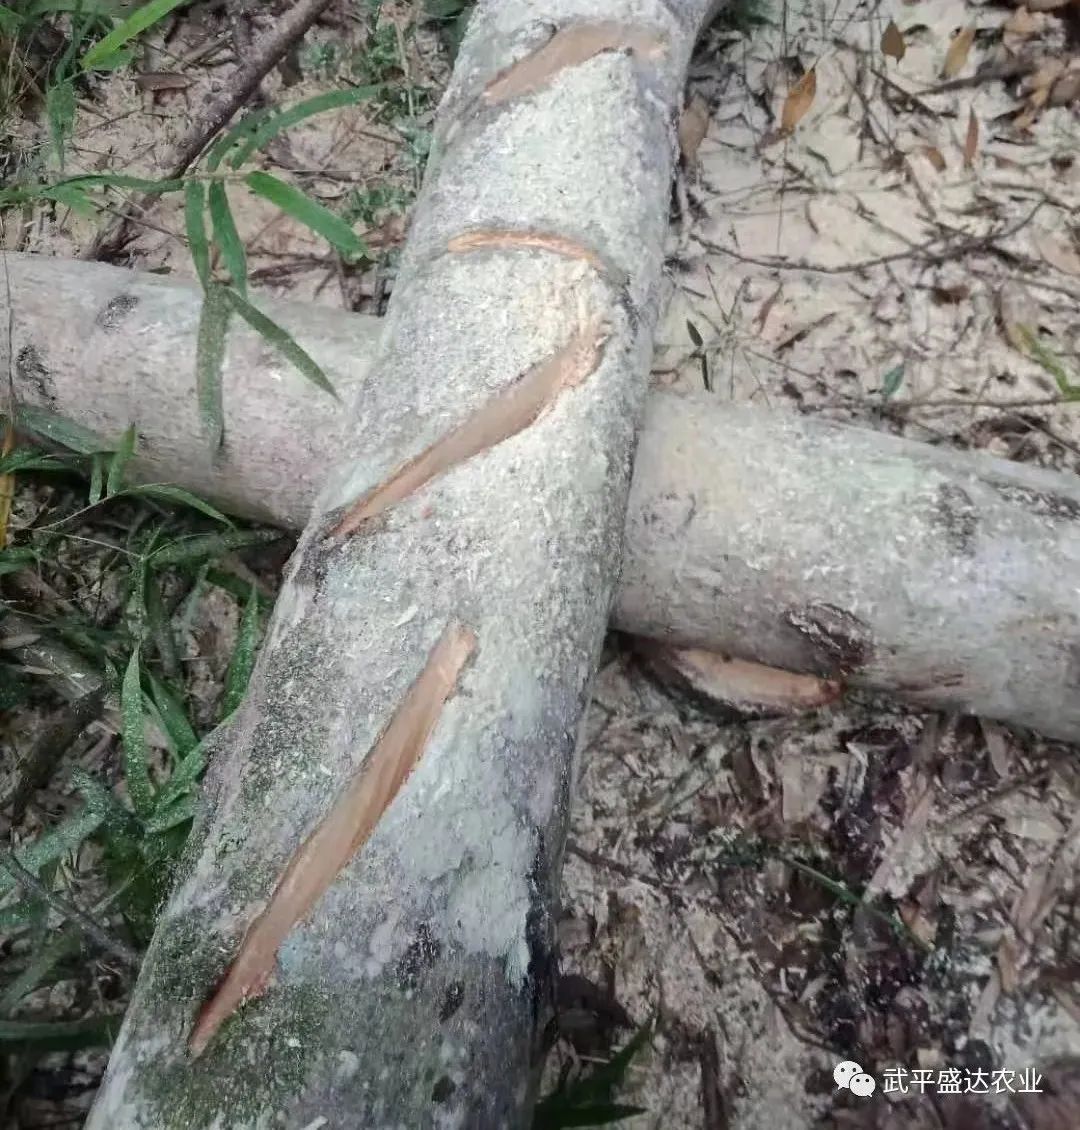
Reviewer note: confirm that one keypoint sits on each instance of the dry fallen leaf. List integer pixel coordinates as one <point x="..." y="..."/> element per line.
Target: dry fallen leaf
<point x="956" y="56"/>
<point x="1065" y="90"/>
<point x="951" y="295"/>
<point x="1043" y="78"/>
<point x="766" y="307"/>
<point x="1017" y="313"/>
<point x="693" y="125"/>
<point x="892" y="42"/>
<point x="800" y="98"/>
<point x="933" y="155"/>
<point x="1057" y="252"/>
<point x="1020" y="25"/>
<point x="971" y="141"/>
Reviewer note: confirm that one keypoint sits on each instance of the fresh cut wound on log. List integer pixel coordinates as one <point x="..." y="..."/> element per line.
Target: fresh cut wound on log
<point x="941" y="577"/>
<point x="361" y="931"/>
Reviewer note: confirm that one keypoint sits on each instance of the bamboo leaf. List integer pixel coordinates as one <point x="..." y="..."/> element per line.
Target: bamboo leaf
<point x="243" y="656"/>
<point x="243" y="129"/>
<point x="136" y="766"/>
<point x="259" y="133"/>
<point x="61" y="946"/>
<point x="209" y="361"/>
<point x="891" y="382"/>
<point x="195" y="226"/>
<point x="227" y="237"/>
<point x="201" y="546"/>
<point x="28" y="460"/>
<point x="139" y="20"/>
<point x="116" y="820"/>
<point x="60" y="110"/>
<point x="294" y="203"/>
<point x="177" y="813"/>
<point x="21" y="915"/>
<point x="184" y="776"/>
<point x="53" y="845"/>
<point x="48" y="425"/>
<point x="61" y="1035"/>
<point x="174" y="718"/>
<point x="282" y="340"/>
<point x="119" y="461"/>
<point x="166" y="492"/>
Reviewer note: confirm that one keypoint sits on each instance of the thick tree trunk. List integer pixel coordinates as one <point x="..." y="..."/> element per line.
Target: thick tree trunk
<point x="942" y="577"/>
<point x="361" y="933"/>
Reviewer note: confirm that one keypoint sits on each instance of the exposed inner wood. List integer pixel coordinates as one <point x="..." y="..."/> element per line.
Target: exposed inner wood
<point x="739" y="683"/>
<point x="504" y="238"/>
<point x="343" y="831"/>
<point x="509" y="412"/>
<point x="569" y="47"/>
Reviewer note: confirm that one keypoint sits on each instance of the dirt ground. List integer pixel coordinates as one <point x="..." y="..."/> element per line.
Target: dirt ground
<point x="861" y="883"/>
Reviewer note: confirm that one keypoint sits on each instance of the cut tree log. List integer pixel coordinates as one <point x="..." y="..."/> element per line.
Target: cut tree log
<point x="942" y="577"/>
<point x="361" y="931"/>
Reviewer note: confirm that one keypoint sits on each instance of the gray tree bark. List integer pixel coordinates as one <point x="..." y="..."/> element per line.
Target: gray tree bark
<point x="942" y="577"/>
<point x="361" y="933"/>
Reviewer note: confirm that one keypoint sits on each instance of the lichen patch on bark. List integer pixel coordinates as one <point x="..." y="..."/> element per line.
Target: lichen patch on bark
<point x="344" y="830"/>
<point x="569" y="47"/>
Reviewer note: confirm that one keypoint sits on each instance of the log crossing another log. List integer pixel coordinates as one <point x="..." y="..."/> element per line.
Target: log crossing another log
<point x="942" y="577"/>
<point x="361" y="933"/>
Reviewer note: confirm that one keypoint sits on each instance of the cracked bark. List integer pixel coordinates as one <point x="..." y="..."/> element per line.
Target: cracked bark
<point x="748" y="532"/>
<point x="411" y="990"/>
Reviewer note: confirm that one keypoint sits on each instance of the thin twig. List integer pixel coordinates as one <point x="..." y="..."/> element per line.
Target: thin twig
<point x="265" y="55"/>
<point x="30" y="882"/>
<point x="923" y="250"/>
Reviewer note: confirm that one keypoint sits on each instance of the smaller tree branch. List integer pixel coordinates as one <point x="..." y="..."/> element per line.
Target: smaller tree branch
<point x="266" y="54"/>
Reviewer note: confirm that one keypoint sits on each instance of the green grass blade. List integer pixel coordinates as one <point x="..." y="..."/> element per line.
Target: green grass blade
<point x="48" y="425"/>
<point x="61" y="946"/>
<point x="97" y="478"/>
<point x="114" y="180"/>
<point x="177" y="813"/>
<point x="174" y="718"/>
<point x="60" y="110"/>
<point x="61" y="1035"/>
<point x="243" y="657"/>
<point x="119" y="461"/>
<point x="195" y="226"/>
<point x="184" y="776"/>
<point x="166" y="492"/>
<point x="282" y="340"/>
<point x="226" y="236"/>
<point x="138" y="22"/>
<point x="21" y="915"/>
<point x="209" y="361"/>
<point x="311" y="214"/>
<point x="136" y="766"/>
<point x="259" y="134"/>
<point x="243" y="129"/>
<point x="200" y="547"/>
<point x="73" y="198"/>
<point x="1050" y="363"/>
<point x="28" y="460"/>
<point x="116" y="820"/>
<point x="53" y="845"/>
